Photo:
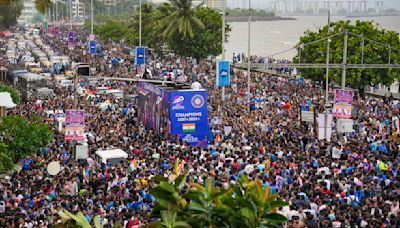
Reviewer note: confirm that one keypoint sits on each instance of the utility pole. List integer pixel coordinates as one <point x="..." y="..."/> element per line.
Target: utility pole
<point x="91" y="16"/>
<point x="344" y="64"/>
<point x="327" y="77"/>
<point x="70" y="14"/>
<point x="248" y="55"/>
<point x="140" y="23"/>
<point x="223" y="43"/>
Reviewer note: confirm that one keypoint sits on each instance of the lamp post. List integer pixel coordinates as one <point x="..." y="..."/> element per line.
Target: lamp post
<point x="223" y="42"/>
<point x="248" y="54"/>
<point x="91" y="15"/>
<point x="140" y="22"/>
<point x="327" y="76"/>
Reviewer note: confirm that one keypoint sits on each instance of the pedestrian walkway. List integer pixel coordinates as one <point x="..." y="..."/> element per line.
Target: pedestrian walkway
<point x="375" y="93"/>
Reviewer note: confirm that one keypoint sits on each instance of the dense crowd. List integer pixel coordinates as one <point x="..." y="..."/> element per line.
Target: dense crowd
<point x="351" y="182"/>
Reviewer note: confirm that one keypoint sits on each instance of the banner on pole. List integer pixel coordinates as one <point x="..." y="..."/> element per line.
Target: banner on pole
<point x="71" y="40"/>
<point x="92" y="47"/>
<point x="140" y="55"/>
<point x="46" y="25"/>
<point x="57" y="30"/>
<point x="342" y="111"/>
<point x="343" y="96"/>
<point x="74" y="125"/>
<point x="325" y="126"/>
<point x="223" y="71"/>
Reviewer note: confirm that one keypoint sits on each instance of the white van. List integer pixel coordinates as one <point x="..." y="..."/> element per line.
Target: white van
<point x="110" y="156"/>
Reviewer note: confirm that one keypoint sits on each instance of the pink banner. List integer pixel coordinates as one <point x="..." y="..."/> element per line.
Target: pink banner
<point x="342" y="111"/>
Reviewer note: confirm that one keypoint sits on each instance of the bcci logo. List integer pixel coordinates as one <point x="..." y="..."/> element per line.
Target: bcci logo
<point x="197" y="101"/>
<point x="140" y="56"/>
<point x="223" y="73"/>
<point x="178" y="102"/>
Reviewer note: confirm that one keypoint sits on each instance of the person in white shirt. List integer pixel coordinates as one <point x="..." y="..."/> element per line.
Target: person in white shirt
<point x="196" y="85"/>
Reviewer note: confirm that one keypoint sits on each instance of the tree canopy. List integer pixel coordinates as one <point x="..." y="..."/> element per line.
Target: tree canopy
<point x="245" y="204"/>
<point x="373" y="53"/>
<point x="22" y="136"/>
<point x="15" y="96"/>
<point x="187" y="31"/>
<point x="10" y="10"/>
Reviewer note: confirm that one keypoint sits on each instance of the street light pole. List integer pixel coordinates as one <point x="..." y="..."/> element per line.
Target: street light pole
<point x="223" y="43"/>
<point x="140" y="22"/>
<point x="327" y="77"/>
<point x="91" y="15"/>
<point x="344" y="60"/>
<point x="248" y="54"/>
<point x="70" y="14"/>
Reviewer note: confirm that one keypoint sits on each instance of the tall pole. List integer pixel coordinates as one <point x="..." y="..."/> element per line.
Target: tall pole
<point x="140" y="22"/>
<point x="54" y="13"/>
<point x="327" y="77"/>
<point x="223" y="43"/>
<point x="70" y="14"/>
<point x="344" y="65"/>
<point x="248" y="54"/>
<point x="91" y="16"/>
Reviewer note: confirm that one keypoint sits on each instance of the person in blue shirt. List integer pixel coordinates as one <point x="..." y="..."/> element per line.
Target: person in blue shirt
<point x="27" y="163"/>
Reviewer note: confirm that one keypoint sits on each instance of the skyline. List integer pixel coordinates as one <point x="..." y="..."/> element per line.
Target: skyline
<point x="262" y="4"/>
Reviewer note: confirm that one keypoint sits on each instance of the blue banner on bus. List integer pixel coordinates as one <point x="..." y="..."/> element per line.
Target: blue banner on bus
<point x="189" y="116"/>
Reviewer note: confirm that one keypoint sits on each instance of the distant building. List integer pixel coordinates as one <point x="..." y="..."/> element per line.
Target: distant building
<point x="27" y="12"/>
<point x="215" y="4"/>
<point x="78" y="10"/>
<point x="312" y="6"/>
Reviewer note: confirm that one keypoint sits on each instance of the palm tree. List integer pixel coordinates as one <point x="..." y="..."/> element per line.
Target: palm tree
<point x="42" y="5"/>
<point x="182" y="20"/>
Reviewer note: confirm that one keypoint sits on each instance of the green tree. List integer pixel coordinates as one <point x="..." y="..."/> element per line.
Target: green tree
<point x="247" y="204"/>
<point x="206" y="40"/>
<point x="182" y="20"/>
<point x="6" y="162"/>
<point x="373" y="54"/>
<point x="112" y="29"/>
<point x="13" y="92"/>
<point x="42" y="5"/>
<point x="77" y="220"/>
<point x="10" y="10"/>
<point x="24" y="136"/>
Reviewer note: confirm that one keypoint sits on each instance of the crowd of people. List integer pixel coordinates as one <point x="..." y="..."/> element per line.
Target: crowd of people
<point x="348" y="181"/>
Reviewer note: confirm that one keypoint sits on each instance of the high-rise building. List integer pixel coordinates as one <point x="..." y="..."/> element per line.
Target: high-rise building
<point x="78" y="8"/>
<point x="27" y="12"/>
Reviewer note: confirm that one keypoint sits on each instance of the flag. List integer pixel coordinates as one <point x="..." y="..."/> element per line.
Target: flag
<point x="189" y="127"/>
<point x="180" y="167"/>
<point x="217" y="138"/>
<point x="133" y="166"/>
